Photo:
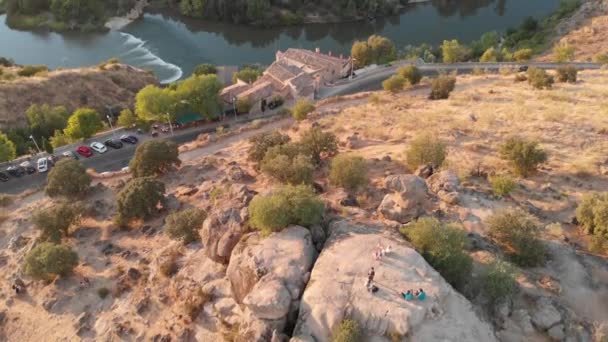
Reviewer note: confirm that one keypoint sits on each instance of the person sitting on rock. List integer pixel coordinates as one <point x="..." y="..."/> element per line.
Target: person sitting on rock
<point x="421" y="295"/>
<point x="370" y="278"/>
<point x="408" y="295"/>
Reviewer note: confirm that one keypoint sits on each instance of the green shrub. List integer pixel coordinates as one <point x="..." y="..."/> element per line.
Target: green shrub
<point x="243" y="105"/>
<point x="499" y="281"/>
<point x="592" y="215"/>
<point x="567" y="74"/>
<point x="103" y="292"/>
<point x="54" y="223"/>
<point x="563" y="53"/>
<point x="502" y="185"/>
<point x="47" y="260"/>
<point x="347" y="331"/>
<point x="205" y="69"/>
<point x="442" y="246"/>
<point x="601" y="58"/>
<point x="261" y="143"/>
<point x="139" y="199"/>
<point x="154" y="157"/>
<point x="288" y="164"/>
<point x="287" y="205"/>
<point x="441" y="87"/>
<point x="491" y="55"/>
<point x="394" y="84"/>
<point x="539" y="79"/>
<point x="69" y="179"/>
<point x="523" y="155"/>
<point x="348" y="172"/>
<point x="411" y="74"/>
<point x="31" y="70"/>
<point x="426" y="149"/>
<point x="316" y="142"/>
<point x="518" y="232"/>
<point x="523" y="55"/>
<point x="301" y="109"/>
<point x="126" y="119"/>
<point x="184" y="225"/>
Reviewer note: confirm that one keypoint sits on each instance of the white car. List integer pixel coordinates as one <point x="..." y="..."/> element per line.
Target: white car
<point x="43" y="165"/>
<point x="99" y="147"/>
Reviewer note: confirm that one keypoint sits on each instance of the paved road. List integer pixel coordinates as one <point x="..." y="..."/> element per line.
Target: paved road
<point x="372" y="80"/>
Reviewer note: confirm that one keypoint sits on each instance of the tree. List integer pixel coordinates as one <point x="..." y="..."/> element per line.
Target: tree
<point x="592" y="215"/>
<point x="523" y="155"/>
<point x="261" y="143"/>
<point x="126" y="119"/>
<point x="424" y="51"/>
<point x="490" y="56"/>
<point x="257" y="9"/>
<point x="68" y="179"/>
<point x="204" y="69"/>
<point x="47" y="260"/>
<point x="200" y="94"/>
<point x="539" y="79"/>
<point x="411" y="74"/>
<point x="347" y="331"/>
<point x="361" y="53"/>
<point x="302" y="108"/>
<point x="441" y="87"/>
<point x="184" y="225"/>
<point x="394" y="84"/>
<point x="426" y="149"/>
<point x="83" y="124"/>
<point x="287" y="205"/>
<point x="488" y="40"/>
<point x="59" y="139"/>
<point x="523" y="55"/>
<point x="153" y="103"/>
<point x="7" y="148"/>
<point x="382" y="49"/>
<point x="499" y="281"/>
<point x="243" y="105"/>
<point x="563" y="53"/>
<point x="453" y="52"/>
<point x="288" y="164"/>
<point x="139" y="199"/>
<point x="54" y="222"/>
<point x="567" y="74"/>
<point x="315" y="142"/>
<point x="348" y="172"/>
<point x="154" y="157"/>
<point x="248" y="74"/>
<point x="44" y="120"/>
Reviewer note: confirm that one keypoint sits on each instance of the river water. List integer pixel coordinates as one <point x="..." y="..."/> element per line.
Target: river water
<point x="172" y="45"/>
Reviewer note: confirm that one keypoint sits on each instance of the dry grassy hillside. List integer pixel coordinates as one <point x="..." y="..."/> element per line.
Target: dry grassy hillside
<point x="95" y="87"/>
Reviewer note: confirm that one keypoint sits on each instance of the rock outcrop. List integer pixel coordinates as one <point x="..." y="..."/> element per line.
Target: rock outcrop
<point x="445" y="185"/>
<point x="405" y="203"/>
<point x="337" y="291"/>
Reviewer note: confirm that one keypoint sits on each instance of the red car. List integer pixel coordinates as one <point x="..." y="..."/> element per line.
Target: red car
<point x="84" y="151"/>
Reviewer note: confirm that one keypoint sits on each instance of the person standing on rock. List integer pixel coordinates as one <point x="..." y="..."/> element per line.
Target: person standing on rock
<point x="370" y="277"/>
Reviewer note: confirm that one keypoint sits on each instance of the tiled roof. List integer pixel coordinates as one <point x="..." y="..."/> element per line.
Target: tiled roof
<point x="259" y="91"/>
<point x="313" y="59"/>
<point x="234" y="90"/>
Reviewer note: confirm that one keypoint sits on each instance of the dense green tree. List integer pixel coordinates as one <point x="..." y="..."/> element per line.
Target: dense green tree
<point x="261" y="143"/>
<point x="316" y="142"/>
<point x="523" y="55"/>
<point x="54" y="222"/>
<point x="199" y="94"/>
<point x="47" y="260"/>
<point x="204" y="69"/>
<point x="184" y="225"/>
<point x="361" y="53"/>
<point x="488" y="40"/>
<point x="44" y="119"/>
<point x="154" y="157"/>
<point x="7" y="148"/>
<point x="491" y="55"/>
<point x="376" y="49"/>
<point x="453" y="52"/>
<point x="59" y="139"/>
<point x="248" y="74"/>
<point x="69" y="179"/>
<point x="153" y="103"/>
<point x="139" y="199"/>
<point x="83" y="124"/>
<point x="126" y="119"/>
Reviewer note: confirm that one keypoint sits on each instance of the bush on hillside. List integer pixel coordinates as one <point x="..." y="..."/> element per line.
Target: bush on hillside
<point x="539" y="79"/>
<point x="54" y="223"/>
<point x="261" y="143"/>
<point x="567" y="74"/>
<point x="126" y="119"/>
<point x="139" y="199"/>
<point x="348" y="172"/>
<point x="563" y="53"/>
<point x="285" y="206"/>
<point x="518" y="232"/>
<point x="347" y="331"/>
<point x="499" y="281"/>
<point x="601" y="58"/>
<point x="184" y="225"/>
<point x="31" y="70"/>
<point x="523" y="155"/>
<point x="520" y="78"/>
<point x="47" y="260"/>
<point x="426" y="149"/>
<point x="523" y="55"/>
<point x="316" y="142"/>
<point x="301" y="109"/>
<point x="491" y="55"/>
<point x="289" y="164"/>
<point x="411" y="74"/>
<point x="592" y="215"/>
<point x="68" y="179"/>
<point x="153" y="158"/>
<point x="394" y="84"/>
<point x="205" y="69"/>
<point x="441" y="87"/>
<point x="441" y="246"/>
<point x="502" y="185"/>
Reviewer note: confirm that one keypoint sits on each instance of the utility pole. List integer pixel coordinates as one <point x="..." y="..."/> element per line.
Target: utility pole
<point x="111" y="127"/>
<point x="35" y="143"/>
<point x="234" y="106"/>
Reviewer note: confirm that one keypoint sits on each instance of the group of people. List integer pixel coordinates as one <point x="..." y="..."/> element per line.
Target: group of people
<point x="380" y="251"/>
<point x="409" y="295"/>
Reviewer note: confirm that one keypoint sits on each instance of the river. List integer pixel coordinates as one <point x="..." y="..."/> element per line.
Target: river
<point x="171" y="45"/>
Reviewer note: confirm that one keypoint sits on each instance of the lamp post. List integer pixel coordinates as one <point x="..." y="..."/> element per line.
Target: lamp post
<point x="111" y="127"/>
<point x="35" y="143"/>
<point x="170" y="124"/>
<point x="234" y="99"/>
<point x="352" y="67"/>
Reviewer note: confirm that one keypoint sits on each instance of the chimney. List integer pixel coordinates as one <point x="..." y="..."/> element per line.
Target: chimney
<point x="318" y="50"/>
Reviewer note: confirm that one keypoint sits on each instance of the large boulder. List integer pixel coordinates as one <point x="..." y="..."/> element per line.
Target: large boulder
<point x="446" y="186"/>
<point x="221" y="231"/>
<point x="337" y="291"/>
<point x="406" y="202"/>
<point x="269" y="299"/>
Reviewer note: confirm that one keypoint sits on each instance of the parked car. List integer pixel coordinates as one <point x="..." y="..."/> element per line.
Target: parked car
<point x="3" y="177"/>
<point x="69" y="154"/>
<point x="84" y="151"/>
<point x="28" y="167"/>
<point x="15" y="171"/>
<point x="523" y="68"/>
<point x="99" y="147"/>
<point x="116" y="144"/>
<point x="43" y="165"/>
<point x="130" y="139"/>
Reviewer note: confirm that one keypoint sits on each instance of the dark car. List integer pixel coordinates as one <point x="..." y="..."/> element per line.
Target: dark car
<point x="523" y="68"/>
<point x="129" y="139"/>
<point x="3" y="177"/>
<point x="28" y="167"/>
<point x="113" y="143"/>
<point x="15" y="171"/>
